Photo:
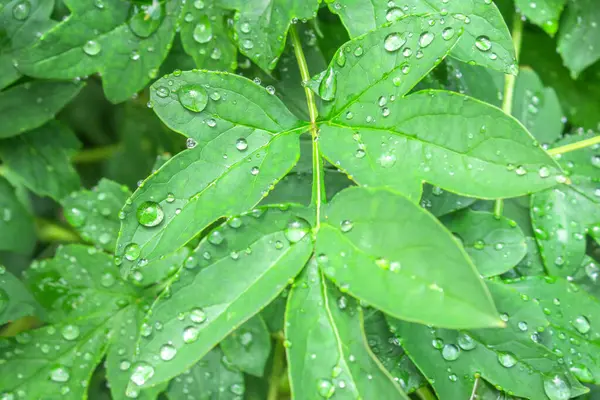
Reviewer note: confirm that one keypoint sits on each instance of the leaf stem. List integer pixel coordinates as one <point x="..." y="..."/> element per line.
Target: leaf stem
<point x="424" y="393"/>
<point x="575" y="146"/>
<point x="318" y="183"/>
<point x="509" y="85"/>
<point x="48" y="231"/>
<point x="95" y="154"/>
<point x="276" y="370"/>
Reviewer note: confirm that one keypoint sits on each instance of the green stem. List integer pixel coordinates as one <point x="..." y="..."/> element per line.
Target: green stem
<point x="575" y="146"/>
<point x="96" y="154"/>
<point x="20" y="325"/>
<point x="318" y="182"/>
<point x="424" y="393"/>
<point x="276" y="370"/>
<point x="509" y="85"/>
<point x="48" y="231"/>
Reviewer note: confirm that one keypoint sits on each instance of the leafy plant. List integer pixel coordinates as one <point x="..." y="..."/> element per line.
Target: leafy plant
<point x="366" y="199"/>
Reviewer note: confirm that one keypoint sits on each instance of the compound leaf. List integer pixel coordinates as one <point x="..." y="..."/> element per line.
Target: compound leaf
<point x="32" y="104"/>
<point x="243" y="140"/>
<point x="576" y="43"/>
<point x="251" y="259"/>
<point x="125" y="43"/>
<point x="328" y="352"/>
<point x="387" y="251"/>
<point x="486" y="40"/>
<point x="495" y="245"/>
<point x="248" y="347"/>
<point x="41" y="160"/>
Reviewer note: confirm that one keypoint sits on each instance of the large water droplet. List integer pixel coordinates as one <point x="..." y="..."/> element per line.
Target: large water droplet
<point x="190" y="334"/>
<point x="70" y="332"/>
<point x="582" y="373"/>
<point x="150" y="213"/>
<point x="167" y="352"/>
<point x="328" y="85"/>
<point x="197" y="315"/>
<point x="75" y="217"/>
<point x="466" y="342"/>
<point x="450" y="352"/>
<point x="92" y="48"/>
<point x="59" y="374"/>
<point x="394" y="41"/>
<point x="296" y="230"/>
<point x="141" y="373"/>
<point x="507" y="360"/>
<point x="582" y="324"/>
<point x="448" y="33"/>
<point x="203" y="31"/>
<point x="107" y="279"/>
<point x="483" y="43"/>
<point x="145" y="19"/>
<point x="193" y="97"/>
<point x="132" y="251"/>
<point x="557" y="388"/>
<point x="325" y="388"/>
<point x="394" y="14"/>
<point x="346" y="225"/>
<point x="216" y="238"/>
<point x="425" y="39"/>
<point x="21" y="10"/>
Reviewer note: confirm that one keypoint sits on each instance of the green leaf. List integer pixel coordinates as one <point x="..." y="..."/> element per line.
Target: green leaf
<point x="441" y="202"/>
<point x="125" y="43"/>
<point x="510" y="358"/>
<point x="574" y="318"/>
<point x="387" y="251"/>
<point x="486" y="40"/>
<point x="250" y="259"/>
<point x="94" y="214"/>
<point x="21" y="23"/>
<point x="327" y="348"/>
<point x="248" y="347"/>
<point x="387" y="349"/>
<point x="495" y="245"/>
<point x="41" y="160"/>
<point x="243" y="142"/>
<point x="587" y="276"/>
<point x="482" y="83"/>
<point x="576" y="43"/>
<point x="205" y="35"/>
<point x="537" y="107"/>
<point x="543" y="13"/>
<point x="15" y="299"/>
<point x="32" y="104"/>
<point x="532" y="264"/>
<point x="563" y="216"/>
<point x="261" y="28"/>
<point x="210" y="378"/>
<point x="17" y="230"/>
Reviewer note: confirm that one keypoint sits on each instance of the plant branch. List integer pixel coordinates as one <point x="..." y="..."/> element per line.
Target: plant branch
<point x="48" y="231"/>
<point x="575" y="146"/>
<point x="95" y="154"/>
<point x="318" y="182"/>
<point x="276" y="370"/>
<point x="509" y="86"/>
<point x="424" y="393"/>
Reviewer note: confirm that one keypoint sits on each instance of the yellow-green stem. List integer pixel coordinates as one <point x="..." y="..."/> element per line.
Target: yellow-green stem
<point x="95" y="154"/>
<point x="509" y="85"/>
<point x="424" y="393"/>
<point x="276" y="370"/>
<point x="48" y="231"/>
<point x="575" y="146"/>
<point x="318" y="183"/>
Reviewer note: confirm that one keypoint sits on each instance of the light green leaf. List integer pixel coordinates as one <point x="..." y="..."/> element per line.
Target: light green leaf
<point x="574" y="318"/>
<point x="32" y="104"/>
<point x="210" y="379"/>
<point x="537" y="107"/>
<point x="32" y="18"/>
<point x="441" y="202"/>
<point x="125" y="43"/>
<point x="486" y="40"/>
<point x="205" y="35"/>
<point x="250" y="259"/>
<point x="495" y="245"/>
<point x="261" y="28"/>
<point x="387" y="349"/>
<point x="94" y="214"/>
<point x="509" y="358"/>
<point x="17" y="230"/>
<point x="577" y="42"/>
<point x="243" y="142"/>
<point x="15" y="299"/>
<point x="248" y="347"/>
<point x="587" y="276"/>
<point x="327" y="349"/>
<point x="41" y="160"/>
<point x="387" y="251"/>
<point x="563" y="216"/>
<point x="543" y="13"/>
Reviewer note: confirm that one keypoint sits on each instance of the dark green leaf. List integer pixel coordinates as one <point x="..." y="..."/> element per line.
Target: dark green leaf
<point x="32" y="104"/>
<point x="576" y="42"/>
<point x="15" y="299"/>
<point x="482" y="83"/>
<point x="327" y="348"/>
<point x="486" y="40"/>
<point x="494" y="244"/>
<point x="41" y="160"/>
<point x="441" y="202"/>
<point x="125" y="43"/>
<point x="588" y="276"/>
<point x="544" y="13"/>
<point x="387" y="251"/>
<point x="250" y="259"/>
<point x="532" y="264"/>
<point x="261" y="28"/>
<point x="17" y="230"/>
<point x="248" y="347"/>
<point x="243" y="142"/>
<point x="95" y="214"/>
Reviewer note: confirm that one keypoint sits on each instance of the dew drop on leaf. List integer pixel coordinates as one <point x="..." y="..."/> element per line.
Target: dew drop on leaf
<point x="582" y="373"/>
<point x="190" y="143"/>
<point x="141" y="373"/>
<point x="190" y="334"/>
<point x="70" y="332"/>
<point x="394" y="14"/>
<point x="107" y="279"/>
<point x="582" y="324"/>
<point x="145" y="19"/>
<point x="341" y="58"/>
<point x="346" y="225"/>
<point x="162" y="91"/>
<point x="150" y="213"/>
<point x="325" y="388"/>
<point x="92" y="48"/>
<point x="437" y="343"/>
<point x="328" y="85"/>
<point x="21" y="10"/>
<point x="75" y="217"/>
<point x="193" y="97"/>
<point x="167" y="352"/>
<point x="216" y="238"/>
<point x="132" y="251"/>
<point x="426" y="39"/>
<point x="59" y="374"/>
<point x="197" y="315"/>
<point x="296" y="230"/>
<point x="557" y="388"/>
<point x="507" y="360"/>
<point x="466" y="342"/>
<point x="483" y="43"/>
<point x="394" y="41"/>
<point x="450" y="352"/>
<point x="203" y="31"/>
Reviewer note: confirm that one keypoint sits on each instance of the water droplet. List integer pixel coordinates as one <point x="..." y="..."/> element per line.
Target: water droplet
<point x="190" y="334"/>
<point x="450" y="352"/>
<point x="59" y="374"/>
<point x="193" y="97"/>
<point x="582" y="324"/>
<point x="394" y="14"/>
<point x="360" y="153"/>
<point x="141" y="373"/>
<point x="145" y="19"/>
<point x="346" y="225"/>
<point x="92" y="48"/>
<point x="197" y="315"/>
<point x="190" y="143"/>
<point x="254" y="171"/>
<point x="358" y="51"/>
<point x="557" y="388"/>
<point x="21" y="10"/>
<point x="150" y="213"/>
<point x="328" y="85"/>
<point x="70" y="332"/>
<point x="248" y="44"/>
<point x="448" y="33"/>
<point x="544" y="172"/>
<point x="483" y="43"/>
<point x="203" y="31"/>
<point x="387" y="160"/>
<point x="522" y="325"/>
<point x="296" y="230"/>
<point x="466" y="342"/>
<point x="394" y="41"/>
<point x="132" y="251"/>
<point x="241" y="144"/>
<point x="520" y="170"/>
<point x="425" y="39"/>
<point x="341" y="58"/>
<point x="582" y="373"/>
<point x="507" y="360"/>
<point x="437" y="343"/>
<point x="75" y="217"/>
<point x="167" y="352"/>
<point x="325" y="388"/>
<point x="162" y="91"/>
